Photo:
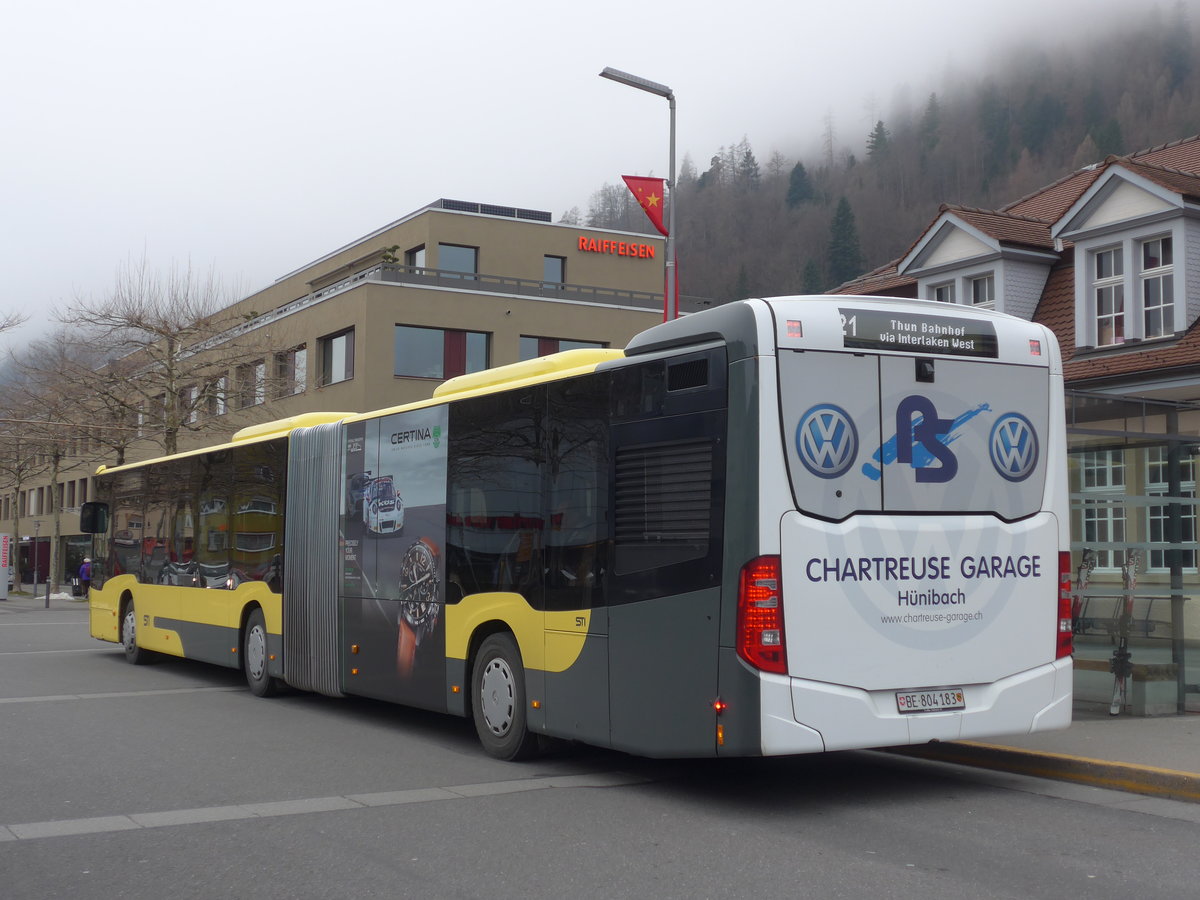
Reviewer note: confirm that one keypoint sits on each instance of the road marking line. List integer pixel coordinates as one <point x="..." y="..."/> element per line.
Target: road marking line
<point x="116" y="695"/>
<point x="28" y="831"/>
<point x="40" y="652"/>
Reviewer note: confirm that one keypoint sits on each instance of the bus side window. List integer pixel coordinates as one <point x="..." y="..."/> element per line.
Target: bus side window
<point x="577" y="493"/>
<point x="500" y="452"/>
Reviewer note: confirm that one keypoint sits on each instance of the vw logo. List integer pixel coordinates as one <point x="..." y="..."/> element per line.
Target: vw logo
<point x="1014" y="447"/>
<point x="826" y="441"/>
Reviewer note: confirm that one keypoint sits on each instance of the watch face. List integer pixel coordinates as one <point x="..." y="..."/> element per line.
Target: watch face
<point x="418" y="586"/>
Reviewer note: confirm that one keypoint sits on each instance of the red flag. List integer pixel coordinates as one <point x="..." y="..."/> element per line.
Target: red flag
<point x="649" y="193"/>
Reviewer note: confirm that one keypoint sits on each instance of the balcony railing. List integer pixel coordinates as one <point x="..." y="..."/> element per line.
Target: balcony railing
<point x="393" y="273"/>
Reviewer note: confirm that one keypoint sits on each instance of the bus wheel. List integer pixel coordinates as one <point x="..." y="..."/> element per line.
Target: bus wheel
<point x="133" y="653"/>
<point x="254" y="656"/>
<point x="498" y="682"/>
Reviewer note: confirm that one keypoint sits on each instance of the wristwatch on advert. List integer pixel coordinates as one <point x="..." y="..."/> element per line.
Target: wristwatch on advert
<point x="419" y="588"/>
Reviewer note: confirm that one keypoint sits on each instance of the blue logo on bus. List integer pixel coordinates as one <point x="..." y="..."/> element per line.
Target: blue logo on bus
<point x="827" y="441"/>
<point x="1014" y="447"/>
<point x="929" y="433"/>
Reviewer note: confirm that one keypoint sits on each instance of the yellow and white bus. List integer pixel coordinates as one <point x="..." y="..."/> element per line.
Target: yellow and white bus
<point x="778" y="526"/>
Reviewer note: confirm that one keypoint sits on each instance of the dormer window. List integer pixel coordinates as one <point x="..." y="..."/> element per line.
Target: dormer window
<point x="1158" y="287"/>
<point x="943" y="293"/>
<point x="1108" y="285"/>
<point x="983" y="290"/>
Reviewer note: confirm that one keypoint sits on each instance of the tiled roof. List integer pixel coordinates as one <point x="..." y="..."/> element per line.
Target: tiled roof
<point x="1051" y="202"/>
<point x="885" y="281"/>
<point x="1185" y="183"/>
<point x="1006" y="227"/>
<point x="1056" y="308"/>
<point x="1183" y="155"/>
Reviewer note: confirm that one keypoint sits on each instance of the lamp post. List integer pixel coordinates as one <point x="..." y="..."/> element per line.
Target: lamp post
<point x="653" y="87"/>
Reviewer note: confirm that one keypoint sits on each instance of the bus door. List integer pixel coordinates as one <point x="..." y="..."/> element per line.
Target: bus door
<point x="665" y="588"/>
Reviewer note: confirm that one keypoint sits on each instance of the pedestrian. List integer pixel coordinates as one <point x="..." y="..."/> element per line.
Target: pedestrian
<point x="85" y="575"/>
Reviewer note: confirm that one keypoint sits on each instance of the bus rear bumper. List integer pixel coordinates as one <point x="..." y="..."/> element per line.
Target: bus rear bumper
<point x="800" y="716"/>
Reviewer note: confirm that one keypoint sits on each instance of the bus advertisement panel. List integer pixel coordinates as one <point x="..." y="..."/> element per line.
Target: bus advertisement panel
<point x="393" y="577"/>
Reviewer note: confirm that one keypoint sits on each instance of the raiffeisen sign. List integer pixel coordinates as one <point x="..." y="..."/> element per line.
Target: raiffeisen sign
<point x="616" y="248"/>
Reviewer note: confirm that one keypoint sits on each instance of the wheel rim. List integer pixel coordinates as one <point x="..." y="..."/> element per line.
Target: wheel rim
<point x="129" y="630"/>
<point x="256" y="652"/>
<point x="497" y="693"/>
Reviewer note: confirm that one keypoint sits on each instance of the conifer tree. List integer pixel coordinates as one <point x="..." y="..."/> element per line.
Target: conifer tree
<point x="877" y="141"/>
<point x="811" y="282"/>
<point x="845" y="255"/>
<point x="800" y="189"/>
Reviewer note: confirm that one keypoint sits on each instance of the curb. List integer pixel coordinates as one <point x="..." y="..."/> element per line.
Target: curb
<point x="1135" y="779"/>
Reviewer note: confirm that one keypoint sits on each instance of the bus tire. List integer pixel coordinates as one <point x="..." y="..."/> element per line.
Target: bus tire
<point x="134" y="654"/>
<point x="498" y="700"/>
<point x="254" y="656"/>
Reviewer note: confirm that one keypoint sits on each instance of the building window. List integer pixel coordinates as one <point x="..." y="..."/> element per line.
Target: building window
<point x="1108" y="285"/>
<point x="533" y="347"/>
<point x="1158" y="518"/>
<point x="337" y="357"/>
<point x="1158" y="287"/>
<point x="983" y="290"/>
<point x="1102" y="483"/>
<point x="251" y="384"/>
<point x="438" y="353"/>
<point x="83" y="491"/>
<point x="291" y="371"/>
<point x="943" y="293"/>
<point x="554" y="269"/>
<point x="189" y="401"/>
<point x="456" y="258"/>
<point x="217" y="392"/>
<point x="415" y="257"/>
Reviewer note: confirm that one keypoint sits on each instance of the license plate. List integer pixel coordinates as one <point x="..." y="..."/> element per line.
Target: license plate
<point x="930" y="701"/>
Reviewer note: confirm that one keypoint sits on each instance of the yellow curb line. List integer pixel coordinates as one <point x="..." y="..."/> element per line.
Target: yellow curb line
<point x="1148" y="780"/>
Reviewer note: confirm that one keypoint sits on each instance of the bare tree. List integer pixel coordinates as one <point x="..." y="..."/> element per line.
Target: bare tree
<point x="169" y="343"/>
<point x="9" y="321"/>
<point x="50" y="426"/>
<point x="19" y="460"/>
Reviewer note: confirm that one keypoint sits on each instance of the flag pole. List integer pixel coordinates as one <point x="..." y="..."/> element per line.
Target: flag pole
<point x="671" y="294"/>
<point x="672" y="274"/>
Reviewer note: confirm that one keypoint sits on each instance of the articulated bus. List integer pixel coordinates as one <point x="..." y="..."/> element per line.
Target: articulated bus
<point x="777" y="526"/>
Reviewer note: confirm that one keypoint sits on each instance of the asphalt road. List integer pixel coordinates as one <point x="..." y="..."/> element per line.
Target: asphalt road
<point x="172" y="780"/>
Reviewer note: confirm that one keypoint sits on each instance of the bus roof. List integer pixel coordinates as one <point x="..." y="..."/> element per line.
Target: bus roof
<point x="532" y="371"/>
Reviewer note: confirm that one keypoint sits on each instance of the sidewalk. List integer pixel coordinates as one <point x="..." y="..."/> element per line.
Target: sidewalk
<point x="23" y="597"/>
<point x="1158" y="756"/>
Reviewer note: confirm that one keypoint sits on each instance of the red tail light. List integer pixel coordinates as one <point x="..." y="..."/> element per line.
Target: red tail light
<point x="760" y="637"/>
<point x="1066" y="630"/>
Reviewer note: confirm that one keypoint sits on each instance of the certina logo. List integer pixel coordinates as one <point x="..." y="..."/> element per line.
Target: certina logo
<point x="414" y="434"/>
<point x="1014" y="447"/>
<point x="827" y="441"/>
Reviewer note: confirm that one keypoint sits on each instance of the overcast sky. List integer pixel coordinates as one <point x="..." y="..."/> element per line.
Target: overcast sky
<point x="250" y="137"/>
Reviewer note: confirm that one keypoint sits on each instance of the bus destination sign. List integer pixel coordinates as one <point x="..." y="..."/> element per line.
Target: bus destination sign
<point x="874" y="329"/>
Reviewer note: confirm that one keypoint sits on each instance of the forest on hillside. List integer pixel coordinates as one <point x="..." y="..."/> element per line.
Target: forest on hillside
<point x="759" y="228"/>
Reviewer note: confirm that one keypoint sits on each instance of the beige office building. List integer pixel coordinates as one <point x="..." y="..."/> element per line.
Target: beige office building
<point x="452" y="288"/>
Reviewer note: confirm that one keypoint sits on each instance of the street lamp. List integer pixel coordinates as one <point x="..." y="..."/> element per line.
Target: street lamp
<point x="661" y="90"/>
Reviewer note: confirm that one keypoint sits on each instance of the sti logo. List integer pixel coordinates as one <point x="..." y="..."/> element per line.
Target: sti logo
<point x="930" y="433"/>
<point x="827" y="441"/>
<point x="1014" y="447"/>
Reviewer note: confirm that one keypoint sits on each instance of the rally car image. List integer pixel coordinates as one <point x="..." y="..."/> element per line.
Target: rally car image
<point x="383" y="509"/>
